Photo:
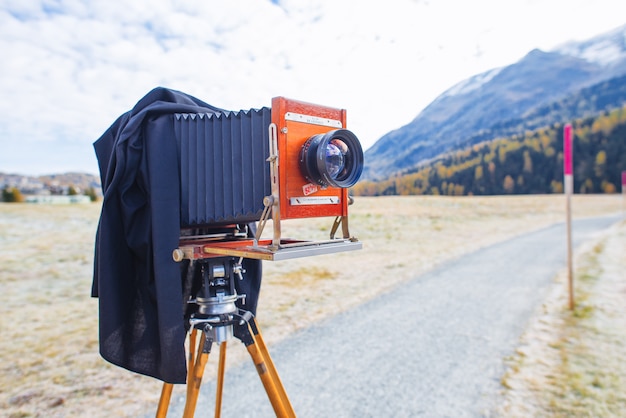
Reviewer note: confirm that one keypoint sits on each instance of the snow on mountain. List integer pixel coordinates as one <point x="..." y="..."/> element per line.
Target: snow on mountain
<point x="472" y="83"/>
<point x="605" y="49"/>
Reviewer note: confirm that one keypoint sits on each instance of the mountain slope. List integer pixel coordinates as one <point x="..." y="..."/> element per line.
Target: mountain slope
<point x="530" y="163"/>
<point x="478" y="105"/>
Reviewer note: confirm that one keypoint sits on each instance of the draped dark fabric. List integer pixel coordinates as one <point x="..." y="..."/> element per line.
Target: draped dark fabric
<point x="142" y="322"/>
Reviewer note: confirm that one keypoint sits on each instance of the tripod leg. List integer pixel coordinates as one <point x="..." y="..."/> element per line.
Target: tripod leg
<point x="164" y="401"/>
<point x="191" y="360"/>
<point x="166" y="392"/>
<point x="194" y="382"/>
<point x="265" y="367"/>
<point x="220" y="380"/>
<point x="271" y="369"/>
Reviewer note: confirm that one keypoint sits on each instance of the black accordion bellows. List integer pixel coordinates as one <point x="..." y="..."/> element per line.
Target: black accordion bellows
<point x="223" y="166"/>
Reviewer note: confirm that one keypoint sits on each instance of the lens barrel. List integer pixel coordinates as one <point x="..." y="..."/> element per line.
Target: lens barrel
<point x="334" y="158"/>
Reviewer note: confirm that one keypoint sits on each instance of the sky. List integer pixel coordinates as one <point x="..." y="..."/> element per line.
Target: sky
<point x="69" y="68"/>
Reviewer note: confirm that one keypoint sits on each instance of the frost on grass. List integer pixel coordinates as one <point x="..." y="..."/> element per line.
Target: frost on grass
<point x="573" y="363"/>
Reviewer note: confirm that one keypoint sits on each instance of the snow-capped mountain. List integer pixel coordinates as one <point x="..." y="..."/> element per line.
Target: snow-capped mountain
<point x="474" y="108"/>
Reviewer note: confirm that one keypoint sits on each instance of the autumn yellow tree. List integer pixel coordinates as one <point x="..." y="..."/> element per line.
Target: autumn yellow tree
<point x="508" y="184"/>
<point x="478" y="172"/>
<point x="528" y="163"/>
<point x="600" y="163"/>
<point x="556" y="186"/>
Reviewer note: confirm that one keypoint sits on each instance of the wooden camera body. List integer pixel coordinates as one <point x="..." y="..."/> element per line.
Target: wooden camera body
<point x="295" y="160"/>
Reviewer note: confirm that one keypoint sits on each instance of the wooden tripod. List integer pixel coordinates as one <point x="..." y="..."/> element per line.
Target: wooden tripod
<point x="249" y="334"/>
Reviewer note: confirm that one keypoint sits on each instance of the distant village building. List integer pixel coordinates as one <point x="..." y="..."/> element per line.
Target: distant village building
<point x="57" y="199"/>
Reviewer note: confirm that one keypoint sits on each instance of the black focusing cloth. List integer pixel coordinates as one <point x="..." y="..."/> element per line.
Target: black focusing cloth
<point x="139" y="286"/>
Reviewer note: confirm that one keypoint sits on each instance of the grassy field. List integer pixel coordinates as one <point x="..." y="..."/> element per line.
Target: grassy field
<point x="50" y="364"/>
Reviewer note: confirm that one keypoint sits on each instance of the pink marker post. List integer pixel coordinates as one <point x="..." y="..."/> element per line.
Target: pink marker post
<point x="568" y="173"/>
<point x="568" y="161"/>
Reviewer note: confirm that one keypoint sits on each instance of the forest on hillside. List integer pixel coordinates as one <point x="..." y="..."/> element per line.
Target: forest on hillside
<point x="531" y="163"/>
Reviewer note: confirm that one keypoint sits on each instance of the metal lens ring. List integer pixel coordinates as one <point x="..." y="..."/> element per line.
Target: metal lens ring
<point x="334" y="158"/>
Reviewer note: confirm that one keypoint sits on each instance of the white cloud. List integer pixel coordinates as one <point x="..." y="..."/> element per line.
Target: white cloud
<point x="69" y="68"/>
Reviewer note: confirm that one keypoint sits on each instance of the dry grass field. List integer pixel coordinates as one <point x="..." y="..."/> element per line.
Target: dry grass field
<point x="50" y="366"/>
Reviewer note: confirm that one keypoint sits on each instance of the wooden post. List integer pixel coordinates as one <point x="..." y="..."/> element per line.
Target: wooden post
<point x="568" y="172"/>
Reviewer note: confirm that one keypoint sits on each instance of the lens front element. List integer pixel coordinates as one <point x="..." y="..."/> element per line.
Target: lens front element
<point x="335" y="160"/>
<point x="332" y="159"/>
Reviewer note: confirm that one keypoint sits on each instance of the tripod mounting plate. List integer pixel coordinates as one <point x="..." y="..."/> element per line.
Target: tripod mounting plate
<point x="263" y="249"/>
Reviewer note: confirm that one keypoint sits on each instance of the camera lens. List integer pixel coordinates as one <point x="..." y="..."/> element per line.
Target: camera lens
<point x="332" y="159"/>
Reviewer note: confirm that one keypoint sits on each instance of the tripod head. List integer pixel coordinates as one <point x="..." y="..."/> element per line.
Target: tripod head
<point x="216" y="299"/>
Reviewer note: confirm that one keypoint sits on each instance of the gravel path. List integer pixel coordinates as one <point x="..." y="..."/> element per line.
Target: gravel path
<point x="433" y="347"/>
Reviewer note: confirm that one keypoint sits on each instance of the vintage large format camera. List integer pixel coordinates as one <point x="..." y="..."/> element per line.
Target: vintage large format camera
<point x="295" y="160"/>
<point x="239" y="172"/>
